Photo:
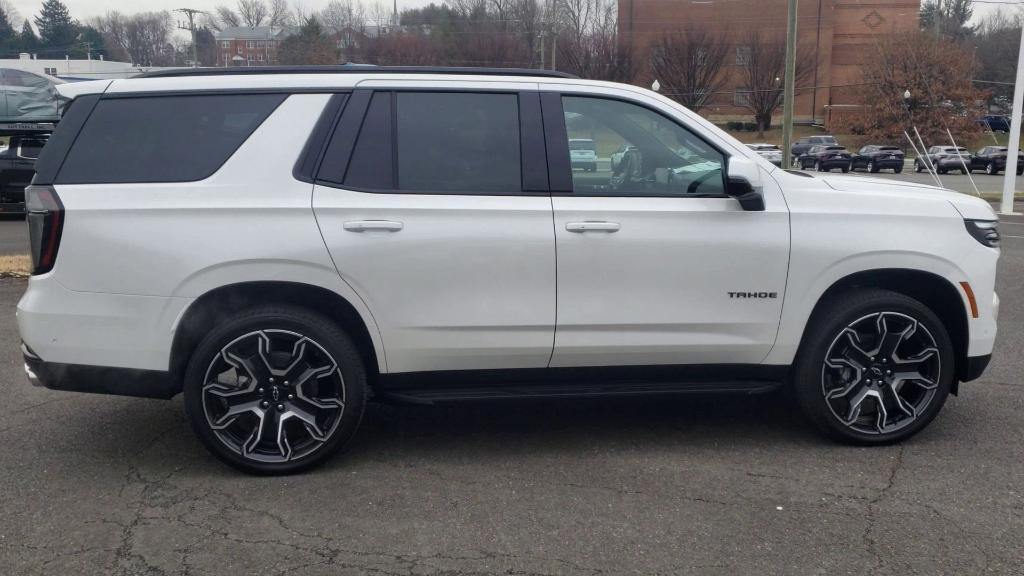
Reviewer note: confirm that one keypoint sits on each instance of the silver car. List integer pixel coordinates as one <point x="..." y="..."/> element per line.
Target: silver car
<point x="769" y="152"/>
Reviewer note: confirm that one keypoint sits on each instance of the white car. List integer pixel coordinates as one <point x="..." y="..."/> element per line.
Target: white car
<point x="332" y="235"/>
<point x="769" y="152"/>
<point x="583" y="154"/>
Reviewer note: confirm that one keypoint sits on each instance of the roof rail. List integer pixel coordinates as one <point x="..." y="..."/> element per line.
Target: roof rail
<point x="352" y="69"/>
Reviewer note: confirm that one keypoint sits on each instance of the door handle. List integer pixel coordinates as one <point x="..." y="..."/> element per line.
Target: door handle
<point x="371" y="225"/>
<point x="580" y="227"/>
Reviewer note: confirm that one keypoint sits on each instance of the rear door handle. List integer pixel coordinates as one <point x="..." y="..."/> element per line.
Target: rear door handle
<point x="371" y="225"/>
<point x="579" y="227"/>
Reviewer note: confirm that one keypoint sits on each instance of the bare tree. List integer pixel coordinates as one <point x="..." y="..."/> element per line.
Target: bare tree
<point x="589" y="43"/>
<point x="762" y="64"/>
<point x="688" y="64"/>
<point x="938" y="77"/>
<point x="279" y="14"/>
<point x="144" y="37"/>
<point x="252" y="13"/>
<point x="227" y="17"/>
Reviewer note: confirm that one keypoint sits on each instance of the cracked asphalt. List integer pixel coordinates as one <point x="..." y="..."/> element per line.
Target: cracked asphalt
<point x="733" y="485"/>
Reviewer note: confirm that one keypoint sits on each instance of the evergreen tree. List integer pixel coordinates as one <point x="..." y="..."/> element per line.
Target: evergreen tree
<point x="57" y="30"/>
<point x="27" y="40"/>
<point x="8" y="37"/>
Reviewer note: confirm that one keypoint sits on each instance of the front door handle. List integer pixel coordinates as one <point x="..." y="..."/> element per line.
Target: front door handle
<point x="371" y="225"/>
<point x="580" y="227"/>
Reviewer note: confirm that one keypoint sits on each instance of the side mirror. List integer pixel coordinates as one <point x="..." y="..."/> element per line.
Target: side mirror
<point x="744" y="183"/>
<point x="739" y="188"/>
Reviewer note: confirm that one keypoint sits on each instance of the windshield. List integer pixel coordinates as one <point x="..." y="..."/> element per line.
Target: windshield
<point x="581" y="145"/>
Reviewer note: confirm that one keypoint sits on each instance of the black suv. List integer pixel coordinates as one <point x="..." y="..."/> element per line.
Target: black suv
<point x="802" y="145"/>
<point x="19" y="149"/>
<point x="992" y="159"/>
<point x="825" y="159"/>
<point x="874" y="157"/>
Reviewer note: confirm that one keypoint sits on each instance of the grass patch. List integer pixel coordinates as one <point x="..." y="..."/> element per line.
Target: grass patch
<point x="17" y="266"/>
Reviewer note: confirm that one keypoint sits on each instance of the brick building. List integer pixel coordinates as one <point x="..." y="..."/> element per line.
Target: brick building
<point x="839" y="31"/>
<point x="244" y="46"/>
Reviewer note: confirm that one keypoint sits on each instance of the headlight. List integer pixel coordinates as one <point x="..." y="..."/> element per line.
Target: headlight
<point x="984" y="231"/>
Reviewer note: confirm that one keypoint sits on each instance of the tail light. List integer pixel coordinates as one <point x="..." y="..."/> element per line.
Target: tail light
<point x="45" y="221"/>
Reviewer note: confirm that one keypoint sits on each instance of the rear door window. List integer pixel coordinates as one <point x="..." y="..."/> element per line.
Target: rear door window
<point x="458" y="142"/>
<point x="163" y="138"/>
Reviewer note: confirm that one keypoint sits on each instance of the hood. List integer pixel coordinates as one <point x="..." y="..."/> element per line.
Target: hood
<point x="970" y="207"/>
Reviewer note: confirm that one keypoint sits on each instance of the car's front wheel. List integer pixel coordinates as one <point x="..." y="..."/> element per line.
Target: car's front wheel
<point x="275" y="390"/>
<point x="872" y="168"/>
<point x="990" y="169"/>
<point x="875" y="367"/>
<point x="918" y="167"/>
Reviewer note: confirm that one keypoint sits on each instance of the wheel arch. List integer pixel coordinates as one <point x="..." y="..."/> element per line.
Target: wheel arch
<point x="220" y="303"/>
<point x="934" y="291"/>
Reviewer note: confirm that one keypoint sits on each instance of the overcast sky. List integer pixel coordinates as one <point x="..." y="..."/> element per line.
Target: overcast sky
<point x="86" y="9"/>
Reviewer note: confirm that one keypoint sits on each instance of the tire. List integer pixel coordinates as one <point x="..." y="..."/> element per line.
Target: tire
<point x="288" y="363"/>
<point x="990" y="169"/>
<point x="941" y="170"/>
<point x="917" y="167"/>
<point x="833" y="367"/>
<point x="872" y="168"/>
<point x="898" y="170"/>
<point x="818" y="166"/>
<point x="845" y="169"/>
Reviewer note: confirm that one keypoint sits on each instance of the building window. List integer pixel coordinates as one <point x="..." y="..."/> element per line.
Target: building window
<point x="225" y="44"/>
<point x="50" y="71"/>
<point x="250" y="44"/>
<point x="742" y="55"/>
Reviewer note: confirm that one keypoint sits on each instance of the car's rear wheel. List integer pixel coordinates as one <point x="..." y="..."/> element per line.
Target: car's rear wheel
<point x="875" y="367"/>
<point x="818" y="166"/>
<point x="845" y="169"/>
<point x="275" y="390"/>
<point x="899" y="170"/>
<point x="872" y="167"/>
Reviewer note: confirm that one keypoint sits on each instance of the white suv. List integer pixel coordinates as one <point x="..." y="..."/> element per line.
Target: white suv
<point x="282" y="244"/>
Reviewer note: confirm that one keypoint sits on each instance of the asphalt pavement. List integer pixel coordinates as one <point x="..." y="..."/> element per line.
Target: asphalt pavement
<point x="731" y="485"/>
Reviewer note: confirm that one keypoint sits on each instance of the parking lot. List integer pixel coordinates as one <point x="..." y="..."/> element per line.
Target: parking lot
<point x="109" y="485"/>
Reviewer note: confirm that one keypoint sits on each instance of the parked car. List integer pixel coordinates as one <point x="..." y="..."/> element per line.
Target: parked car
<point x="616" y="157"/>
<point x="944" y="159"/>
<point x="769" y="152"/>
<point x="803" y="144"/>
<point x="992" y="159"/>
<point x="332" y="235"/>
<point x="995" y="122"/>
<point x="875" y="157"/>
<point x="583" y="154"/>
<point x="29" y="108"/>
<point x="18" y="153"/>
<point x="825" y="159"/>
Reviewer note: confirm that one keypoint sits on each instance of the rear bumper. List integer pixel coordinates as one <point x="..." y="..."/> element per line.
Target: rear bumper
<point x="98" y="379"/>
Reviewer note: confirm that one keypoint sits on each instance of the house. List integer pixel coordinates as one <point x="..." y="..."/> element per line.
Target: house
<point x="245" y="46"/>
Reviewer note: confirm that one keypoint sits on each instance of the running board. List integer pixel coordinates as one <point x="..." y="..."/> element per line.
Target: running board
<point x="575" y="390"/>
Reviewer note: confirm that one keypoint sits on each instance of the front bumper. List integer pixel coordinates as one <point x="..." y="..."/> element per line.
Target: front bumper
<point x="973" y="368"/>
<point x="98" y="379"/>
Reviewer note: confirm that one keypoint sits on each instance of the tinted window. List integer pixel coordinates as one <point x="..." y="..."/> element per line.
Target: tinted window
<point x="663" y="158"/>
<point x="163" y="138"/>
<point x="458" y="142"/>
<point x="371" y="165"/>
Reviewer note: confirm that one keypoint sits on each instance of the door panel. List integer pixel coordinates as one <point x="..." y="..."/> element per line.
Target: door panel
<point x="656" y="291"/>
<point x="429" y="224"/>
<point x="655" y="264"/>
<point x="465" y="282"/>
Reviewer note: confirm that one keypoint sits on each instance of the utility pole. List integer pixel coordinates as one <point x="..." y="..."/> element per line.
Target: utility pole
<point x="1013" y="147"/>
<point x="790" y="86"/>
<point x="190" y="13"/>
<point x="936" y="19"/>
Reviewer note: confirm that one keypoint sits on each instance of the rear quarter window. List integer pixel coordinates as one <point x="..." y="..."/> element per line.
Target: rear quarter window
<point x="163" y="138"/>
